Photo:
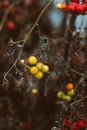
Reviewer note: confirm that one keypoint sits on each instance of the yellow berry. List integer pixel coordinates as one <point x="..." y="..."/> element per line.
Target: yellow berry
<point x="60" y="94"/>
<point x="71" y="92"/>
<point x="45" y="68"/>
<point x="59" y="6"/>
<point x="32" y="60"/>
<point x="39" y="75"/>
<point x="39" y="65"/>
<point x="67" y="98"/>
<point x="34" y="91"/>
<point x="33" y="70"/>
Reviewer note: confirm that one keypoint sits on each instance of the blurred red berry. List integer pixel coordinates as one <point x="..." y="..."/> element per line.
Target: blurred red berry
<point x="66" y="122"/>
<point x="84" y="1"/>
<point x="5" y="4"/>
<point x="80" y="8"/>
<point x="72" y="7"/>
<point x="77" y="59"/>
<point x="75" y="4"/>
<point x="84" y="6"/>
<point x="10" y="25"/>
<point x="76" y="1"/>
<point x="27" y="2"/>
<point x="63" y="129"/>
<point x="82" y="123"/>
<point x="75" y="126"/>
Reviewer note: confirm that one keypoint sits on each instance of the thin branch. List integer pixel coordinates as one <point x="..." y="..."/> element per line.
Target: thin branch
<point x="28" y="67"/>
<point x="68" y="42"/>
<point x="81" y="74"/>
<point x="16" y="42"/>
<point x="38" y="30"/>
<point x="78" y="101"/>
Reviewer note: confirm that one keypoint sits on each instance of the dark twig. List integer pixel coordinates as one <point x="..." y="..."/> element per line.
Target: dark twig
<point x="69" y="38"/>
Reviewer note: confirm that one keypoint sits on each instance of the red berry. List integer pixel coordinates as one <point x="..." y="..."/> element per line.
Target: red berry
<point x="75" y="4"/>
<point x="84" y="6"/>
<point x="82" y="123"/>
<point x="5" y="4"/>
<point x="63" y="128"/>
<point x="84" y="1"/>
<point x="75" y="126"/>
<point x="80" y="8"/>
<point x="66" y="122"/>
<point x="10" y="25"/>
<point x="72" y="7"/>
<point x="76" y="1"/>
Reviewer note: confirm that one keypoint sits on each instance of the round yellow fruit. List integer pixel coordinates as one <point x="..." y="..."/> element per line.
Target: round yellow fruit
<point x="67" y="98"/>
<point x="60" y="94"/>
<point x="32" y="60"/>
<point x="45" y="69"/>
<point x="39" y="65"/>
<point x="34" y="91"/>
<point x="59" y="6"/>
<point x="71" y="92"/>
<point x="34" y="70"/>
<point x="39" y="75"/>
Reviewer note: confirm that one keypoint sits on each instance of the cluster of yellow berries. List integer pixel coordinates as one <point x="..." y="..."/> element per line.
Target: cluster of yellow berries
<point x="70" y="92"/>
<point x="37" y="69"/>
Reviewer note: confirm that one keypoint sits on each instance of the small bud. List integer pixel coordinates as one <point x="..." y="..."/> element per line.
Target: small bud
<point x="22" y="61"/>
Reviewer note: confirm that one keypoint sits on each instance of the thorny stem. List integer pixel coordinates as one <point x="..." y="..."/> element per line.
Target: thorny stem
<point x="7" y="12"/>
<point x="27" y="38"/>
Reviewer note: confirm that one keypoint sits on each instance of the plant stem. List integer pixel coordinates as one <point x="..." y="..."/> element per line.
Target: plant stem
<point x="69" y="38"/>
